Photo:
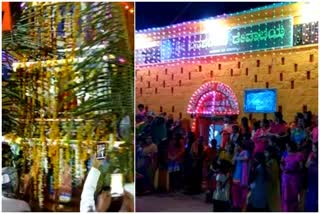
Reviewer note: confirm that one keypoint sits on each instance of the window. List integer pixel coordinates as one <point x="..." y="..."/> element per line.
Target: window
<point x="200" y="68"/>
<point x="247" y="71"/>
<point x="219" y="66"/>
<point x="269" y="69"/>
<point x="258" y="63"/>
<point x="308" y="75"/>
<point x="311" y="58"/>
<point x="282" y="61"/>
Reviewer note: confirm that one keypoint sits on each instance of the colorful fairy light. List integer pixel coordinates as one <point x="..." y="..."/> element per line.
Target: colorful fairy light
<point x="217" y="93"/>
<point x="158" y="45"/>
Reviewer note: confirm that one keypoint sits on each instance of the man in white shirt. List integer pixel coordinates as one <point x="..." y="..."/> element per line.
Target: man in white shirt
<point x="14" y="205"/>
<point x="10" y="204"/>
<point x="88" y="203"/>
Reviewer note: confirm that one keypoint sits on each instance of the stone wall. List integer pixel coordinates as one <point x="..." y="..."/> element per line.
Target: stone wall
<point x="293" y="72"/>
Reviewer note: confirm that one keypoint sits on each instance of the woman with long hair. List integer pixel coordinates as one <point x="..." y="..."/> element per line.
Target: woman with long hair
<point x="240" y="176"/>
<point x="245" y="129"/>
<point x="259" y="137"/>
<point x="175" y="156"/>
<point x="291" y="167"/>
<point x="273" y="182"/>
<point x="279" y="126"/>
<point x="196" y="168"/>
<point x="311" y="204"/>
<point x="257" y="200"/>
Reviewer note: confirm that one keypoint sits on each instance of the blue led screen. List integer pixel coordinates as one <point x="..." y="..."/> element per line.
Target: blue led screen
<point x="260" y="100"/>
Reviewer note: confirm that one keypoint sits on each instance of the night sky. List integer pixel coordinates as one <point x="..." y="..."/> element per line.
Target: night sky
<point x="159" y="14"/>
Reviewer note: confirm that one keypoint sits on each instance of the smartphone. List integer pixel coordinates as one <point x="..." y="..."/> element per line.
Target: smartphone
<point x="101" y="151"/>
<point x="117" y="184"/>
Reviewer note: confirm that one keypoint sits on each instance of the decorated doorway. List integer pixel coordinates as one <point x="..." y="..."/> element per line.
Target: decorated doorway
<point x="208" y="105"/>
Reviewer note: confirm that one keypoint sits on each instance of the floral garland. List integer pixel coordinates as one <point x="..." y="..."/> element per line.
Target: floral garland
<point x="39" y="83"/>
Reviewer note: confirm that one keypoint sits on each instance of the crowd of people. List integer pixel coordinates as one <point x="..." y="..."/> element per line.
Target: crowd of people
<point x="18" y="189"/>
<point x="268" y="165"/>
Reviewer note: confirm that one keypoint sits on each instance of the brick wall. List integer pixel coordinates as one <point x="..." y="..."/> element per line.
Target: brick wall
<point x="290" y="71"/>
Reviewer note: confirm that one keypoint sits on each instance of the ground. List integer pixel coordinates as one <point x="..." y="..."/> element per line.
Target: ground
<point x="172" y="202"/>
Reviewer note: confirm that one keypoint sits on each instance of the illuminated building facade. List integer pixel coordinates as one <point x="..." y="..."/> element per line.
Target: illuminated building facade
<point x="204" y="67"/>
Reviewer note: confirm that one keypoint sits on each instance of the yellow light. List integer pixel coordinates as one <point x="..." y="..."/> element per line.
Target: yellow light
<point x="143" y="41"/>
<point x="310" y="11"/>
<point x="117" y="184"/>
<point x="217" y="32"/>
<point x="118" y="143"/>
<point x="131" y="10"/>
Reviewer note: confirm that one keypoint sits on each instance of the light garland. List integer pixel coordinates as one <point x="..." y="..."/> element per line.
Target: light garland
<point x="214" y="89"/>
<point x="151" y="51"/>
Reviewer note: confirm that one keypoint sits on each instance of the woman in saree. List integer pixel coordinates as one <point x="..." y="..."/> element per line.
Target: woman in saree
<point x="150" y="151"/>
<point x="196" y="168"/>
<point x="311" y="204"/>
<point x="240" y="177"/>
<point x="273" y="181"/>
<point x="175" y="157"/>
<point x="260" y="137"/>
<point x="291" y="166"/>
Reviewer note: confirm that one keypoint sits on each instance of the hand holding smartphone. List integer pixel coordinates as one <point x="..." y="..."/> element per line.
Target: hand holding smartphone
<point x="101" y="151"/>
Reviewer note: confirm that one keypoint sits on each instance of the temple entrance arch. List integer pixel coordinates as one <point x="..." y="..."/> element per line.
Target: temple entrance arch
<point x="208" y="105"/>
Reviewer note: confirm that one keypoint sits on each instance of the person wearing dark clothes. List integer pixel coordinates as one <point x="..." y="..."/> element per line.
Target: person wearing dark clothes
<point x="187" y="165"/>
<point x="235" y="135"/>
<point x="258" y="201"/>
<point x="245" y="129"/>
<point x="196" y="168"/>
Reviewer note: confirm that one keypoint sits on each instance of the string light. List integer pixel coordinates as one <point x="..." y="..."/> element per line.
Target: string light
<point x="170" y="43"/>
<point x="220" y="94"/>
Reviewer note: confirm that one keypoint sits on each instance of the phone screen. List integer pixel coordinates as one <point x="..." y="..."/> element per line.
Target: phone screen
<point x="101" y="151"/>
<point x="117" y="184"/>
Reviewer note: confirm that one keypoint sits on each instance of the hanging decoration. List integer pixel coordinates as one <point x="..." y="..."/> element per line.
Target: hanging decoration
<point x="74" y="73"/>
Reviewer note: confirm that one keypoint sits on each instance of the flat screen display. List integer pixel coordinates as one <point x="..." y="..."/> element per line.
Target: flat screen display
<point x="260" y="100"/>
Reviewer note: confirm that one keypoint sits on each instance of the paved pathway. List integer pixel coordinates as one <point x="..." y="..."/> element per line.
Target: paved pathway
<point x="172" y="202"/>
